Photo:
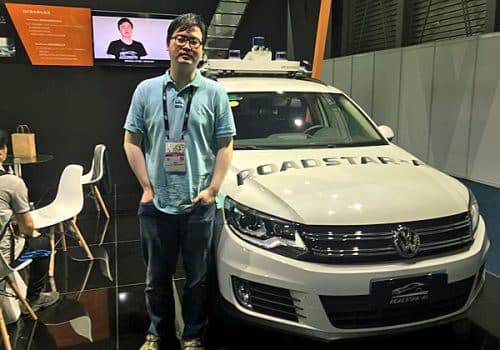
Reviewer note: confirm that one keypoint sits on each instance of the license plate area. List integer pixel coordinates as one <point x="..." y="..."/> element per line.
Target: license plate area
<point x="408" y="291"/>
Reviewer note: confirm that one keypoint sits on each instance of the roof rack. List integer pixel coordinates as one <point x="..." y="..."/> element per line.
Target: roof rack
<point x="255" y="63"/>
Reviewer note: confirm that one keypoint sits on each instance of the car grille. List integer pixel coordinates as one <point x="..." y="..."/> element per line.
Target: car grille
<point x="373" y="243"/>
<point x="273" y="301"/>
<point x="353" y="312"/>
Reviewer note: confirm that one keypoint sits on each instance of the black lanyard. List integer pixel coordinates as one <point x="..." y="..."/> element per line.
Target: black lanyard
<point x="186" y="112"/>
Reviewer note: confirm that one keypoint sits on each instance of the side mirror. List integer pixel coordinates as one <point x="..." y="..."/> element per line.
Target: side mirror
<point x="386" y="131"/>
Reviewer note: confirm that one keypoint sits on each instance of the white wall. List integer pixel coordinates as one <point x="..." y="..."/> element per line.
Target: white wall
<point x="442" y="99"/>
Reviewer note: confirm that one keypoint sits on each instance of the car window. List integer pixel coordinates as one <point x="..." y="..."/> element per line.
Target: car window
<point x="295" y="119"/>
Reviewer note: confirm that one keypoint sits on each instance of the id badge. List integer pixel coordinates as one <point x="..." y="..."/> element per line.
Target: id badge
<point x="175" y="161"/>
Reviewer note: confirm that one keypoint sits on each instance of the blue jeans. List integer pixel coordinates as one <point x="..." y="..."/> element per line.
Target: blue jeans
<point x="162" y="237"/>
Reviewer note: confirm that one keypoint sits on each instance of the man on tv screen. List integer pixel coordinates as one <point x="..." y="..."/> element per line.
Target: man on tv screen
<point x="126" y="48"/>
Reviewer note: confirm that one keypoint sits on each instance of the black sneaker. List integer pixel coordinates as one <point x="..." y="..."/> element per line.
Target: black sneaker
<point x="44" y="299"/>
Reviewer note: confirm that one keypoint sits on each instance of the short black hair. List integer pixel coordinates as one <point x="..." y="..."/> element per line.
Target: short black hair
<point x="123" y="20"/>
<point x="186" y="22"/>
<point x="4" y="137"/>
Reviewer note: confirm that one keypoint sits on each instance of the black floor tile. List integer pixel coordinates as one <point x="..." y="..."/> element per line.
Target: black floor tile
<point x="74" y="272"/>
<point x="132" y="317"/>
<point x="127" y="228"/>
<point x="131" y="269"/>
<point x="86" y="319"/>
<point x="95" y="230"/>
<point x="485" y="313"/>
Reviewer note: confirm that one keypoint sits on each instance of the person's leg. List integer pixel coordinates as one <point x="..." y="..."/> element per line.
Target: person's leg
<point x="159" y="239"/>
<point x="195" y="253"/>
<point x="39" y="267"/>
<point x="38" y="273"/>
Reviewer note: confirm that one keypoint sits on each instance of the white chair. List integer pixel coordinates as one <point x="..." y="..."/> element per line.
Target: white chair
<point x="5" y="275"/>
<point x="64" y="208"/>
<point x="94" y="175"/>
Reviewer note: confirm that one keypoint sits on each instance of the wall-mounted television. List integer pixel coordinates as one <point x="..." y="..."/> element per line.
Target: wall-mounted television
<point x="130" y="38"/>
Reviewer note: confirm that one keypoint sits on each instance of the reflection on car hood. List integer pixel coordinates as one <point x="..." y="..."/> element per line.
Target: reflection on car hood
<point x="365" y="185"/>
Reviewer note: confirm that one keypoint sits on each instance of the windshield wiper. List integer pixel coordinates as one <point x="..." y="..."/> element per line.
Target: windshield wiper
<point x="252" y="147"/>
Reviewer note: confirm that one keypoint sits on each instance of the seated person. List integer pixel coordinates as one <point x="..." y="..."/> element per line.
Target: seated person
<point x="126" y="48"/>
<point x="14" y="203"/>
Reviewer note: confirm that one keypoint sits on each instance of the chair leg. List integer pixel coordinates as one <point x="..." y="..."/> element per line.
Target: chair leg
<point x="52" y="251"/>
<point x="83" y="243"/>
<point x="16" y="290"/>
<point x="5" y="334"/>
<point x="101" y="201"/>
<point x="104" y="231"/>
<point x="63" y="236"/>
<point x="94" y="196"/>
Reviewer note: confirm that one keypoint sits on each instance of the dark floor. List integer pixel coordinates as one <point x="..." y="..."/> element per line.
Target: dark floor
<point x="102" y="304"/>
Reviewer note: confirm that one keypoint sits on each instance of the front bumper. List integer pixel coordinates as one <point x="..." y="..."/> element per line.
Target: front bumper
<point x="310" y="284"/>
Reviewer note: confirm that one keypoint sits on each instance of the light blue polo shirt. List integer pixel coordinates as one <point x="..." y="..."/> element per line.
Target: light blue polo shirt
<point x="210" y="118"/>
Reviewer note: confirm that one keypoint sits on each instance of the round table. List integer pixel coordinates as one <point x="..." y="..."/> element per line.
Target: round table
<point x="18" y="161"/>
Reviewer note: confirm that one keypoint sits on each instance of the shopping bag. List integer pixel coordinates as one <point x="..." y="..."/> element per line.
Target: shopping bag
<point x="23" y="142"/>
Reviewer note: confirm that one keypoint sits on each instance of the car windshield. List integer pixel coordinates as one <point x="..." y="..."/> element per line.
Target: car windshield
<point x="272" y="120"/>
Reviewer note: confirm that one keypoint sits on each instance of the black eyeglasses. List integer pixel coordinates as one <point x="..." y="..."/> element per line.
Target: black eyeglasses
<point x="181" y="40"/>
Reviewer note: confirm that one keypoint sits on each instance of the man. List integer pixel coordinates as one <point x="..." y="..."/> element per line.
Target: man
<point x="126" y="48"/>
<point x="14" y="203"/>
<point x="187" y="127"/>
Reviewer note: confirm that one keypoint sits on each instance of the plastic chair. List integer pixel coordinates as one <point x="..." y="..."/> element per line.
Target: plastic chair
<point x="64" y="208"/>
<point x="94" y="175"/>
<point x="5" y="272"/>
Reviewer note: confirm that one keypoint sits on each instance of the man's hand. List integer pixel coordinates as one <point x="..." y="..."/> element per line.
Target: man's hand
<point x="207" y="196"/>
<point x="34" y="234"/>
<point x="147" y="195"/>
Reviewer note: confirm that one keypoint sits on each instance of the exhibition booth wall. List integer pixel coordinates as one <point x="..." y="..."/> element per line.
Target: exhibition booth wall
<point x="442" y="100"/>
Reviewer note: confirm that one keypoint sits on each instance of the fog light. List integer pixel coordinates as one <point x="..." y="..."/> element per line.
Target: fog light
<point x="242" y="292"/>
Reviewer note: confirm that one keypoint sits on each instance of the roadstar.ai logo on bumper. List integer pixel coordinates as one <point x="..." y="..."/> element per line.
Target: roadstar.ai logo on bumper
<point x="409" y="293"/>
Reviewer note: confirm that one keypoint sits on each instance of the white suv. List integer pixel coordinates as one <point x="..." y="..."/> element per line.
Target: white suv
<point x="329" y="230"/>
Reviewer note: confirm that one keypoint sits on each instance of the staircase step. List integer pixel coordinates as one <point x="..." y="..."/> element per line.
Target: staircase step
<point x="233" y="13"/>
<point x="208" y="48"/>
<point x="224" y="25"/>
<point x="213" y="36"/>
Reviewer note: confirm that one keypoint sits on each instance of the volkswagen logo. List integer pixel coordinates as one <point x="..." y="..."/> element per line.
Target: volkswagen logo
<point x="406" y="241"/>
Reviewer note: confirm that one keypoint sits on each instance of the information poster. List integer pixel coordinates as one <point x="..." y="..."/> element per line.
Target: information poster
<point x="54" y="35"/>
<point x="7" y="37"/>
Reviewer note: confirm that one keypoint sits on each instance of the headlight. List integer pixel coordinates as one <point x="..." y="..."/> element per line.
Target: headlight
<point x="265" y="231"/>
<point x="473" y="211"/>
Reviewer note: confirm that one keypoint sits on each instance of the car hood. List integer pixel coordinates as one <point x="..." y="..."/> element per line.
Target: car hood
<point x="344" y="186"/>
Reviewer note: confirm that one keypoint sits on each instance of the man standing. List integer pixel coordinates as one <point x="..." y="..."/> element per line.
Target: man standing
<point x="187" y="127"/>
